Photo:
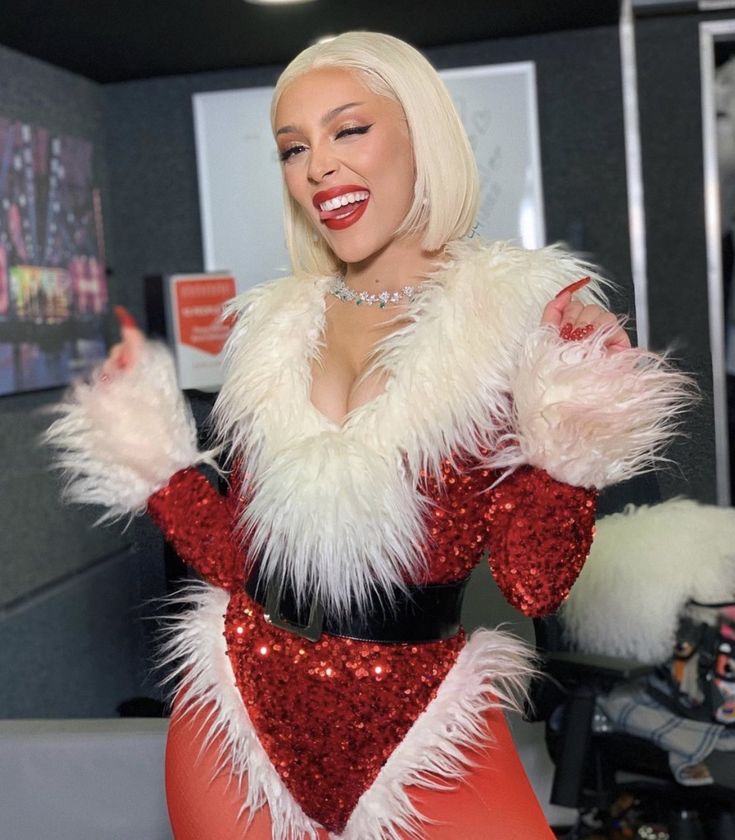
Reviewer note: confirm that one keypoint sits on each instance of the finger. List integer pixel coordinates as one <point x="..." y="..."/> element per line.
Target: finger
<point x="560" y="310"/>
<point x="125" y="319"/>
<point x="574" y="287"/>
<point x="617" y="345"/>
<point x="590" y="314"/>
<point x="554" y="310"/>
<point x="111" y="364"/>
<point x="133" y="338"/>
<point x="571" y="313"/>
<point x="618" y="340"/>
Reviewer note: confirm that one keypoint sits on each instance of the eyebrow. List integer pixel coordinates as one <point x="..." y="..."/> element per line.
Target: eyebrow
<point x="330" y="115"/>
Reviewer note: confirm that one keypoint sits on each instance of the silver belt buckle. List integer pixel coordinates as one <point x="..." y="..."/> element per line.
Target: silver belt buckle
<point x="311" y="631"/>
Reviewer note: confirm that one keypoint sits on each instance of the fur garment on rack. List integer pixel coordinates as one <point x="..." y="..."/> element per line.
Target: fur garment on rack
<point x="645" y="564"/>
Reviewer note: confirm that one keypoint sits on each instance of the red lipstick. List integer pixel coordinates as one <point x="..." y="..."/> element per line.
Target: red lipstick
<point x="333" y="192"/>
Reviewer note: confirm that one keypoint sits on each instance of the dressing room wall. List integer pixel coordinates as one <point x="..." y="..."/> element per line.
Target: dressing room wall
<point x="67" y="590"/>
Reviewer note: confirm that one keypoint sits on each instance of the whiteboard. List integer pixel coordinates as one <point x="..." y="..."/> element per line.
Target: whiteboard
<point x="240" y="191"/>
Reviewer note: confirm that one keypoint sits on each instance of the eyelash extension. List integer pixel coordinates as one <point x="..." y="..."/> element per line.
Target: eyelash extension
<point x="356" y="129"/>
<point x="287" y="153"/>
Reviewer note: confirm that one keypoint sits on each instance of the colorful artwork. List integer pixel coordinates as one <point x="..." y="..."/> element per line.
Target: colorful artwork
<point x="53" y="286"/>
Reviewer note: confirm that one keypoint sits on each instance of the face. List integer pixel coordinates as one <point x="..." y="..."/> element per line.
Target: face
<point x="347" y="160"/>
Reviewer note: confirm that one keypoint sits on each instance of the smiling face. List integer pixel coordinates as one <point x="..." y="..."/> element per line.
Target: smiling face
<point x="347" y="160"/>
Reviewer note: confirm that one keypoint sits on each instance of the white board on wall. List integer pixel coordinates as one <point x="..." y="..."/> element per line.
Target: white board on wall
<point x="241" y="195"/>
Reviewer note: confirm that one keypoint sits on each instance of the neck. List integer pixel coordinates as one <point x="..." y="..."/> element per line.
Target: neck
<point x="401" y="263"/>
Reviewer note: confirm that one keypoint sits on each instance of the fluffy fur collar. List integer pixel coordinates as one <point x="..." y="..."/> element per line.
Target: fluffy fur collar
<point x="336" y="508"/>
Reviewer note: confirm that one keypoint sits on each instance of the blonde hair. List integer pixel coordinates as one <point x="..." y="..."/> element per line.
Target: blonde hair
<point x="446" y="187"/>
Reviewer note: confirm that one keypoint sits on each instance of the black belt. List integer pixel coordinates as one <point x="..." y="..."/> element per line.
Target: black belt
<point x="427" y="613"/>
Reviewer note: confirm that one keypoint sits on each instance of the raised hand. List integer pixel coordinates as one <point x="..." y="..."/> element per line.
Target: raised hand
<point x="576" y="320"/>
<point x="126" y="352"/>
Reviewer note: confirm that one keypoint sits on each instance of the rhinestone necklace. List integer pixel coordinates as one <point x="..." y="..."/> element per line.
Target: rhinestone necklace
<point x="342" y="291"/>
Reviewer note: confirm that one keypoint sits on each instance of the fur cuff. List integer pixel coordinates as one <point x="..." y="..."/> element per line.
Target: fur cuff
<point x="590" y="418"/>
<point x="645" y="564"/>
<point x="119" y="441"/>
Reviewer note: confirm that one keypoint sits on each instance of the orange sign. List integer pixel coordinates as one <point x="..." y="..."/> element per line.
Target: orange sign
<point x="199" y="303"/>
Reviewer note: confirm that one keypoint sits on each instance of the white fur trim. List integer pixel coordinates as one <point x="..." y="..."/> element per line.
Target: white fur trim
<point x="590" y="418"/>
<point x="195" y="646"/>
<point x="120" y="440"/>
<point x="334" y="507"/>
<point x="645" y="564"/>
<point x="491" y="672"/>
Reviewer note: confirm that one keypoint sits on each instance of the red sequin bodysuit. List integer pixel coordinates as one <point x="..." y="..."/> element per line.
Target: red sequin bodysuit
<point x="329" y="714"/>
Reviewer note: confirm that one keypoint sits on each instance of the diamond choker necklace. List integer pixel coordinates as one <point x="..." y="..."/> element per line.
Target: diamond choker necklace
<point x="342" y="291"/>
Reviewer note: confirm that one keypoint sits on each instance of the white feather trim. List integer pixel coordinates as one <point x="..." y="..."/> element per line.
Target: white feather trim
<point x="645" y="564"/>
<point x="491" y="671"/>
<point x="120" y="440"/>
<point x="337" y="507"/>
<point x="590" y="418"/>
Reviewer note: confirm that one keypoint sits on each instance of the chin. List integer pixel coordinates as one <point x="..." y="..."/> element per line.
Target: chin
<point x="355" y="249"/>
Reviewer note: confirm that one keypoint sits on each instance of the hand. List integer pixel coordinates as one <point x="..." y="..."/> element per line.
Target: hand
<point x="125" y="353"/>
<point x="575" y="320"/>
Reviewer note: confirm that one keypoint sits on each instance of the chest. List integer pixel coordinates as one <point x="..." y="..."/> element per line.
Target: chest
<point x="343" y="374"/>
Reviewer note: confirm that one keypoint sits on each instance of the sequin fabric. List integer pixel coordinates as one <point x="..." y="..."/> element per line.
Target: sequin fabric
<point x="330" y="713"/>
<point x="538" y="531"/>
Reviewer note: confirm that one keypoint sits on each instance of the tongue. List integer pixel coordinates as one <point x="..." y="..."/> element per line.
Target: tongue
<point x="340" y="211"/>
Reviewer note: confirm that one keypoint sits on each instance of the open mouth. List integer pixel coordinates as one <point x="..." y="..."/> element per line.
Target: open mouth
<point x="345" y="201"/>
<point x="341" y="207"/>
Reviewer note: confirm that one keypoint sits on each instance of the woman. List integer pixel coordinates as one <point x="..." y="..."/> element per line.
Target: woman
<point x="405" y="400"/>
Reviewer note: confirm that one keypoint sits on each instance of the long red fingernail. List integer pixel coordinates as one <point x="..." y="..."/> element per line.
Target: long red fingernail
<point x="575" y="287"/>
<point x="125" y="319"/>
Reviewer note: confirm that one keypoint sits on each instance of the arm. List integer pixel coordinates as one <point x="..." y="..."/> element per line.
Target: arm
<point x="539" y="536"/>
<point x="587" y="411"/>
<point x="126" y="440"/>
<point x="198" y="522"/>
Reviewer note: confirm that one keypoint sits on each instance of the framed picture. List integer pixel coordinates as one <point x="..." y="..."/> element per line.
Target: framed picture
<point x="53" y="284"/>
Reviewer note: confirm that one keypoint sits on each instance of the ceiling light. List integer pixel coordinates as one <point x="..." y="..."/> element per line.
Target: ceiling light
<point x="276" y="2"/>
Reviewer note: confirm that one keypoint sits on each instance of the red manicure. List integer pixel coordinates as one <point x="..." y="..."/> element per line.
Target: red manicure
<point x="124" y="318"/>
<point x="575" y="287"/>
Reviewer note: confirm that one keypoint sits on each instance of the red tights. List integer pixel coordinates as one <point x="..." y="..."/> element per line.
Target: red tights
<point x="493" y="802"/>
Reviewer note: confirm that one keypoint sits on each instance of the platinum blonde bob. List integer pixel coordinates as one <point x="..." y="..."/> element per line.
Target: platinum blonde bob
<point x="446" y="186"/>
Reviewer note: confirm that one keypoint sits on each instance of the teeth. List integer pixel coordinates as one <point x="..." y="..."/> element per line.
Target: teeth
<point x="342" y="200"/>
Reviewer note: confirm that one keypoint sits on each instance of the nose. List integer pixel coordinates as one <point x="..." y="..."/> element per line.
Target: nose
<point x="321" y="164"/>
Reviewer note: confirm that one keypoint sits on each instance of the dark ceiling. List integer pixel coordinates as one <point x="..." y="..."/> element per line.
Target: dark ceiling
<point x="133" y="39"/>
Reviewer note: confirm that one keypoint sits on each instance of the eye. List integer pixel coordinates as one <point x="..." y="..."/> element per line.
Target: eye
<point x="355" y="129"/>
<point x="290" y="152"/>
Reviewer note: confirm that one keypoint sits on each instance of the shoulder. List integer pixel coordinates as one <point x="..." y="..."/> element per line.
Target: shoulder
<point x="276" y="303"/>
<point x="271" y="293"/>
